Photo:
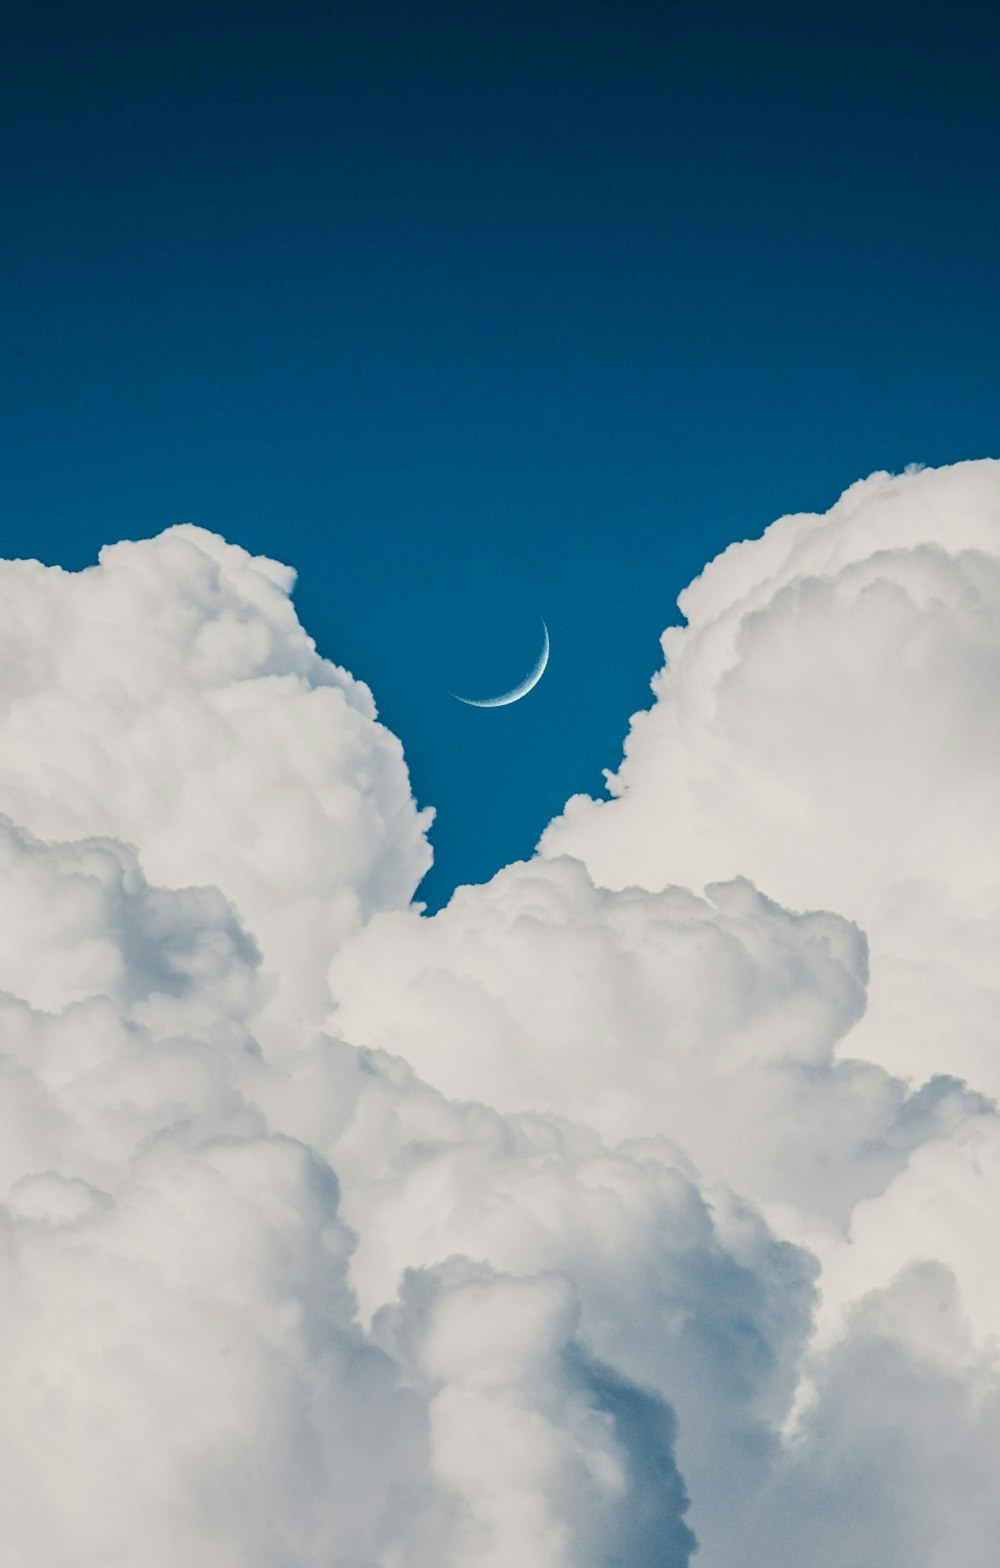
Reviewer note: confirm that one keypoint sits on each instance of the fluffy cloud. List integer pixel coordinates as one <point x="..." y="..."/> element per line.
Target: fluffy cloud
<point x="826" y="725"/>
<point x="649" y="1015"/>
<point x="187" y="1374"/>
<point x="834" y="675"/>
<point x="184" y="1378"/>
<point x="645" y="1195"/>
<point x="895" y="1458"/>
<point x="557" y="1461"/>
<point x="168" y="697"/>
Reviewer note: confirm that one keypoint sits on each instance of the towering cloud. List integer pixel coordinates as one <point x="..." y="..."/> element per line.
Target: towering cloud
<point x="826" y="725"/>
<point x="170" y="698"/>
<point x="650" y="1015"/>
<point x="645" y="1196"/>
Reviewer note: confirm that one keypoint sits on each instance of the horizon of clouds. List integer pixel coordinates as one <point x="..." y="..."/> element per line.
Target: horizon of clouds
<point x="638" y="1207"/>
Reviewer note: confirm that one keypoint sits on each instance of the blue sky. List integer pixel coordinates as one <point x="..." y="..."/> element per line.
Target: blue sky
<point x="483" y="314"/>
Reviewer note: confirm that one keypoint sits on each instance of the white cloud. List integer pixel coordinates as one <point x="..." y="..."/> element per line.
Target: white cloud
<point x="826" y="725"/>
<point x="184" y="1379"/>
<point x="895" y="1460"/>
<point x="187" y="1374"/>
<point x="550" y="1453"/>
<point x="648" y="1015"/>
<point x="184" y="1376"/>
<point x="169" y="697"/>
<point x="336" y="1234"/>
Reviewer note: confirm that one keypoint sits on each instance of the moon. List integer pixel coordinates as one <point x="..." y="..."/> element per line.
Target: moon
<point x="519" y="691"/>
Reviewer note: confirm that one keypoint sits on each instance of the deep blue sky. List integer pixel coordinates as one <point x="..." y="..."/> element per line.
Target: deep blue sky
<point x="477" y="313"/>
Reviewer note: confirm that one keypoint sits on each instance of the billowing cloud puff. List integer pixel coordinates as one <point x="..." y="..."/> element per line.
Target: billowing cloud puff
<point x="184" y="1378"/>
<point x="185" y="1381"/>
<point x="558" y="1462"/>
<point x="895" y="1459"/>
<point x="641" y="1201"/>
<point x="187" y="1375"/>
<point x="168" y="697"/>
<point x="648" y="1015"/>
<point x="826" y="724"/>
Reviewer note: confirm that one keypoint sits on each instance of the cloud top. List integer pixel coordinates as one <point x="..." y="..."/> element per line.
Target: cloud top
<point x="170" y="698"/>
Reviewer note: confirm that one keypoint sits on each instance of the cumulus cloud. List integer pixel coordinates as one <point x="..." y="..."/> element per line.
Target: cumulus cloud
<point x="638" y="1208"/>
<point x="826" y="725"/>
<point x="188" y="1374"/>
<point x="557" y="1460"/>
<point x="895" y="1459"/>
<point x="169" y="697"/>
<point x="649" y="1015"/>
<point x="184" y="1376"/>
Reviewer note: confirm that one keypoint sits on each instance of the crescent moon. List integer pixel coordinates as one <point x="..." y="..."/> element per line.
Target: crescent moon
<point x="519" y="691"/>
